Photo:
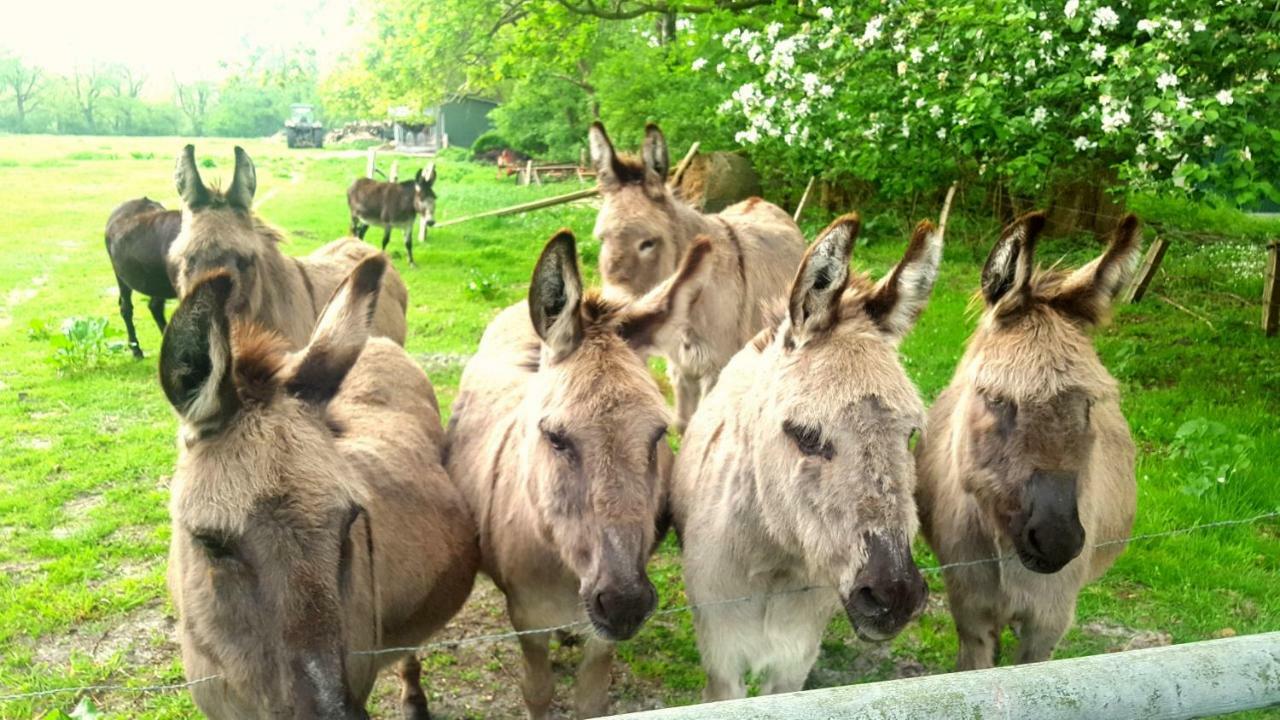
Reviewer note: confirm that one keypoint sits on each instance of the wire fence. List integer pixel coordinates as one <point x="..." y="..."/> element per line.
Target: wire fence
<point x="585" y="624"/>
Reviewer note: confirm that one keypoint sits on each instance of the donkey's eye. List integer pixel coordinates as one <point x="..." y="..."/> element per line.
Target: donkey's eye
<point x="243" y="263"/>
<point x="557" y="441"/>
<point x="648" y="245"/>
<point x="216" y="547"/>
<point x="809" y="440"/>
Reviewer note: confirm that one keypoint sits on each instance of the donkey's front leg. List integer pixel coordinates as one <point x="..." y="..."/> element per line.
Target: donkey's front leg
<point x="413" y="701"/>
<point x="386" y="238"/>
<point x="1042" y="630"/>
<point x="408" y="243"/>
<point x="591" y="686"/>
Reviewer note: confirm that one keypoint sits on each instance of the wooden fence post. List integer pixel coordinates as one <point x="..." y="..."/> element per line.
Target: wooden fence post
<point x="1271" y="291"/>
<point x="395" y="171"/>
<point x="795" y="217"/>
<point x="370" y="163"/>
<point x="1146" y="271"/>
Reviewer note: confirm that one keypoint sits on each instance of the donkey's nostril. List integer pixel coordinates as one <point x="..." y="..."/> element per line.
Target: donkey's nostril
<point x="1033" y="541"/>
<point x="431" y="223"/>
<point x="868" y="603"/>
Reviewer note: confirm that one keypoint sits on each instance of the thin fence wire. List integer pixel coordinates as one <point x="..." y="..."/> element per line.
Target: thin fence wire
<point x="585" y="624"/>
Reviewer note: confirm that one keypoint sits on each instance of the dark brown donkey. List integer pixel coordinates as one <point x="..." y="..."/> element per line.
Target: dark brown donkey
<point x="312" y="520"/>
<point x="391" y="204"/>
<point x="138" y="236"/>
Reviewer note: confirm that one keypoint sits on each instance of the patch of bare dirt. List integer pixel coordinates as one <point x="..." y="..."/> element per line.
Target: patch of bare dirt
<point x="75" y="515"/>
<point x="1126" y="638"/>
<point x="143" y="637"/>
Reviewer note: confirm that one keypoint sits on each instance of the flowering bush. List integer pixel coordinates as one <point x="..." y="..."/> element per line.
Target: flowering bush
<point x="909" y="94"/>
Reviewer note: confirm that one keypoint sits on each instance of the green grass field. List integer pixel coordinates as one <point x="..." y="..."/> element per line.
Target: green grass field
<point x="86" y="452"/>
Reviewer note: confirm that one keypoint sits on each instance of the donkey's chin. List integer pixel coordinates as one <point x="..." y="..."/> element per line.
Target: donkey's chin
<point x="872" y="630"/>
<point x="1041" y="564"/>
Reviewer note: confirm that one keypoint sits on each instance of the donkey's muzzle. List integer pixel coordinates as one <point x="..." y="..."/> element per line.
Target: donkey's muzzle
<point x="1047" y="534"/>
<point x="617" y="611"/>
<point x="888" y="592"/>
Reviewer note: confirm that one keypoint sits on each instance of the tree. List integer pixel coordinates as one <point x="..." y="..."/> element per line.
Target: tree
<point x="88" y="86"/>
<point x="25" y="84"/>
<point x="1035" y="95"/>
<point x="195" y="100"/>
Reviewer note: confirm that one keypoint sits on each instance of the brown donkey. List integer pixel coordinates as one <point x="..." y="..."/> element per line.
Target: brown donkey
<point x="796" y="472"/>
<point x="1027" y="452"/>
<point x="221" y="232"/>
<point x="644" y="230"/>
<point x="394" y="204"/>
<point x="557" y="441"/>
<point x="311" y="515"/>
<point x="138" y="236"/>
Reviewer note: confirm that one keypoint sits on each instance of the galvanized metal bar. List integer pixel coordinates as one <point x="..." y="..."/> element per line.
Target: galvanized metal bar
<point x="1169" y="683"/>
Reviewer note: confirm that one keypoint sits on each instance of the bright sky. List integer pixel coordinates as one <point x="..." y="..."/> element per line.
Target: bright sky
<point x="163" y="38"/>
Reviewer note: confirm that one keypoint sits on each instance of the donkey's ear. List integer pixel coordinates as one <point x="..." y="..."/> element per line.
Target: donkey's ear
<point x="1007" y="273"/>
<point x="429" y="176"/>
<point x="897" y="300"/>
<point x="604" y="157"/>
<point x="655" y="153"/>
<point x="244" y="183"/>
<point x="814" y="304"/>
<point x="555" y="295"/>
<point x="195" y="357"/>
<point x="340" y="334"/>
<point x="664" y="307"/>
<point x="187" y="178"/>
<point x="1087" y="293"/>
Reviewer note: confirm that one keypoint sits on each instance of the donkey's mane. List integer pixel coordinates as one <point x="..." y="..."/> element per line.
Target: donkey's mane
<point x="629" y="168"/>
<point x="259" y="357"/>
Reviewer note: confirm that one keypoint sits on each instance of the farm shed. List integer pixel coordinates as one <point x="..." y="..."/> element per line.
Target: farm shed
<point x="457" y="122"/>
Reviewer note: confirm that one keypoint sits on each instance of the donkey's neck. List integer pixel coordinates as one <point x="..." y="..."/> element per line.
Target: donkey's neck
<point x="288" y="304"/>
<point x="689" y="224"/>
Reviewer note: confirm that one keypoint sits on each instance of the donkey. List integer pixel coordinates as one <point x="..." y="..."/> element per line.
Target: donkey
<point x="312" y="518"/>
<point x="644" y="231"/>
<point x="794" y="482"/>
<point x="138" y="236"/>
<point x="285" y="294"/>
<point x="1026" y="453"/>
<point x="390" y="204"/>
<point x="557" y="441"/>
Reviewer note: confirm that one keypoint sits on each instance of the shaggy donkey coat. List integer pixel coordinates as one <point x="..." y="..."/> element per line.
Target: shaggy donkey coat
<point x="796" y="473"/>
<point x="310" y="512"/>
<point x="644" y="231"/>
<point x="394" y="204"/>
<point x="558" y="442"/>
<point x="1026" y="455"/>
<point x="282" y="293"/>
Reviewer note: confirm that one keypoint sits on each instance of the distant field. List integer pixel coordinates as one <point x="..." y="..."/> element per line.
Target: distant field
<point x="86" y="455"/>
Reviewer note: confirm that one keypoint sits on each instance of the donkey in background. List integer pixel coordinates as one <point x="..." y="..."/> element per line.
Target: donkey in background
<point x="644" y="230"/>
<point x="558" y="442"/>
<point x="796" y="472"/>
<point x="138" y="236"/>
<point x="221" y="232"/>
<point x="311" y="515"/>
<point x="392" y="204"/>
<point x="1026" y="453"/>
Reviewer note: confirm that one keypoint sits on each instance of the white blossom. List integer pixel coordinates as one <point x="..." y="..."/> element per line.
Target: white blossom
<point x="872" y="32"/>
<point x="1166" y="80"/>
<point x="810" y="82"/>
<point x="935" y="112"/>
<point x="1046" y="37"/>
<point x="1038" y="116"/>
<point x="772" y="30"/>
<point x="684" y="24"/>
<point x="1225" y="97"/>
<point x="720" y="69"/>
<point x="1148" y="26"/>
<point x="1184" y="102"/>
<point x="942" y="133"/>
<point x="1082" y="143"/>
<point x="920" y="103"/>
<point x="1099" y="53"/>
<point x="1114" y="119"/>
<point x="1198" y="26"/>
<point x="828" y="145"/>
<point x="1070" y="9"/>
<point x="1105" y="18"/>
<point x="916" y="55"/>
<point x="826" y="91"/>
<point x="826" y="13"/>
<point x="1246" y="155"/>
<point x="698" y="64"/>
<point x="1209" y="141"/>
<point x="902" y="67"/>
<point x="1141" y="149"/>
